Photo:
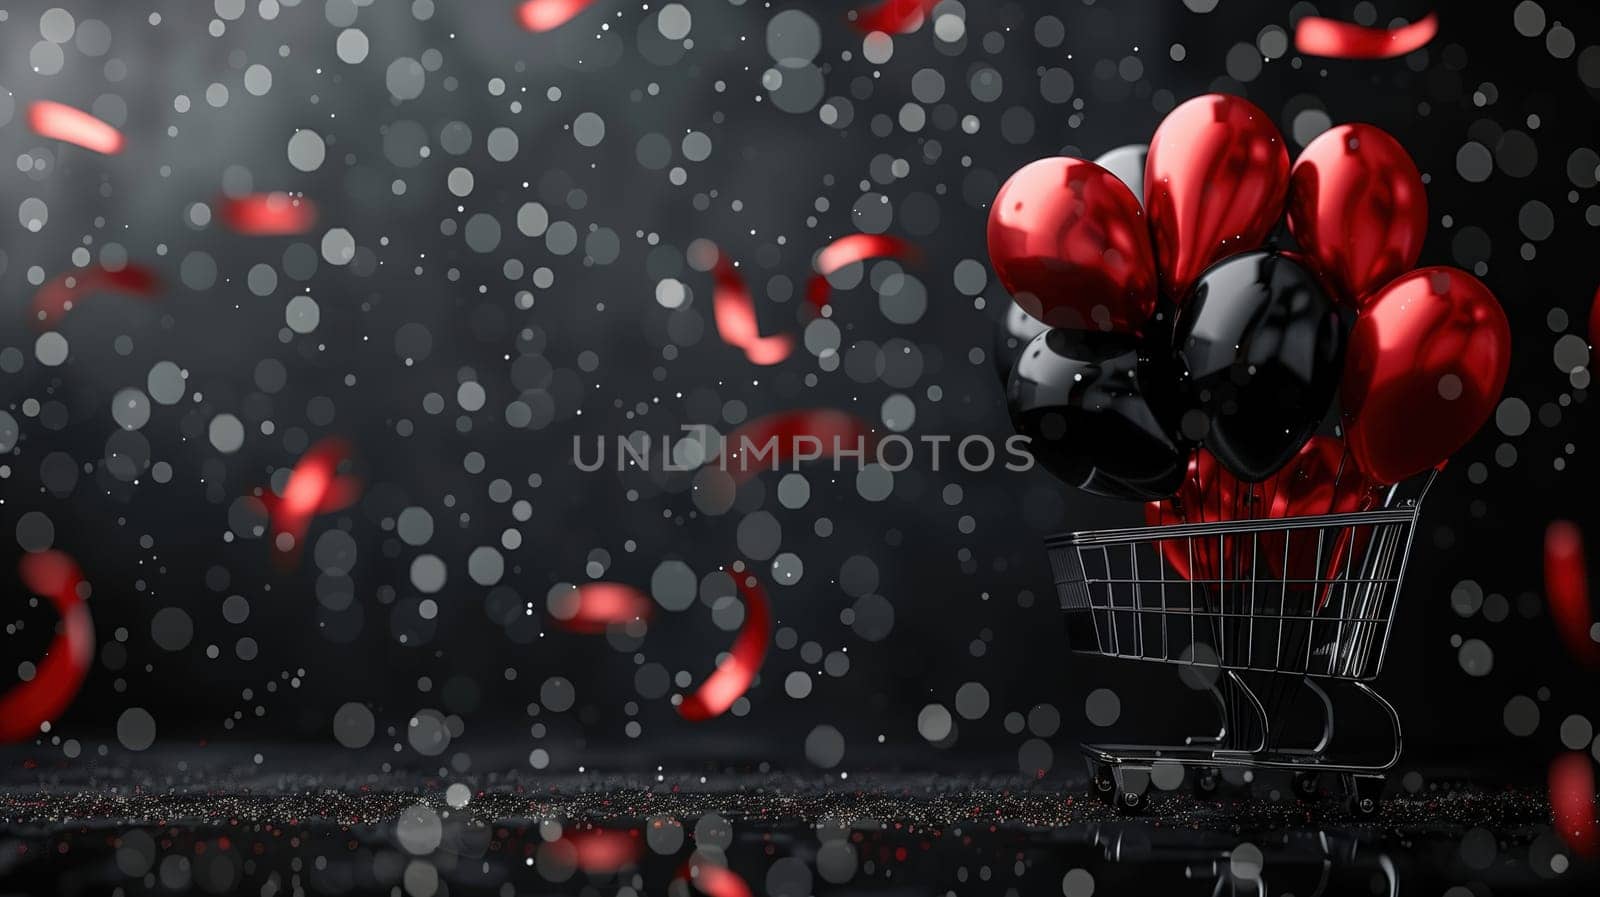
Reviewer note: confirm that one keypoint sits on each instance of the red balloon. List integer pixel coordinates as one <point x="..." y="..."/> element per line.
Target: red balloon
<point x="1069" y="242"/>
<point x="1425" y="365"/>
<point x="1357" y="205"/>
<point x="1214" y="184"/>
<point x="1179" y="553"/>
<point x="1322" y="479"/>
<point x="1209" y="494"/>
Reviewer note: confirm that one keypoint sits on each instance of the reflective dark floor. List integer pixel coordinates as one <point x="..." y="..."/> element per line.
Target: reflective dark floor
<point x="234" y="827"/>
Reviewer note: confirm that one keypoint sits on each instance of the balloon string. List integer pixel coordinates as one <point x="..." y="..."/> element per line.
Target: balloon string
<point x="1338" y="474"/>
<point x="1235" y="563"/>
<point x="1264" y="501"/>
<point x="1284" y="695"/>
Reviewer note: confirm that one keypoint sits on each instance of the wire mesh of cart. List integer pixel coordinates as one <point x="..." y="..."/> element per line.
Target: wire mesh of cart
<point x="1272" y="607"/>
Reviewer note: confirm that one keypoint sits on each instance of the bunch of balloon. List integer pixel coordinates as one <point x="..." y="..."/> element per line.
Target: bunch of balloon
<point x="1176" y="356"/>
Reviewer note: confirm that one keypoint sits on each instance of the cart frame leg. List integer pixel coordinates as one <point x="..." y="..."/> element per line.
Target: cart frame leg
<point x="1133" y="783"/>
<point x="1327" y="714"/>
<point x="1394" y="723"/>
<point x="1365" y="790"/>
<point x="1102" y="780"/>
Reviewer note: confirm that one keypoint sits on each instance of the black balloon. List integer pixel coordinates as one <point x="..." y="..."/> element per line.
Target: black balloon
<point x="1012" y="336"/>
<point x="1080" y="400"/>
<point x="1258" y="350"/>
<point x="1127" y="163"/>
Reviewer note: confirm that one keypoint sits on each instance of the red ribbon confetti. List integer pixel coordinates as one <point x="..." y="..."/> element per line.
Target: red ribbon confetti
<point x="847" y="251"/>
<point x="605" y="850"/>
<point x="61" y="293"/>
<point x="57" y="121"/>
<point x="713" y="880"/>
<point x="1566" y="585"/>
<point x="895" y="16"/>
<point x="734" y="307"/>
<point x="59" y="675"/>
<point x="734" y="674"/>
<point x="546" y="15"/>
<point x="315" y="487"/>
<point x="805" y="435"/>
<point x="1316" y="36"/>
<point x="1594" y="319"/>
<point x="735" y="312"/>
<point x="592" y="607"/>
<point x="1572" y="802"/>
<point x="269" y="214"/>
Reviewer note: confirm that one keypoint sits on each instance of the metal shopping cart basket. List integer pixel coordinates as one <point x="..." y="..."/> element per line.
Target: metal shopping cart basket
<point x="1276" y="606"/>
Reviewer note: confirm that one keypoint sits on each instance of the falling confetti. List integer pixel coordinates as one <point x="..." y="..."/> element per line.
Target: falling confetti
<point x="593" y="606"/>
<point x="314" y="487"/>
<point x="1572" y="802"/>
<point x="736" y="318"/>
<point x="713" y="880"/>
<point x="269" y="214"/>
<point x="1594" y="319"/>
<point x="547" y="15"/>
<point x="734" y="674"/>
<point x="605" y="850"/>
<point x="805" y="435"/>
<point x="849" y="250"/>
<point x="1566" y="583"/>
<point x="1317" y="36"/>
<point x="495" y="210"/>
<point x="57" y="121"/>
<point x="63" y="292"/>
<point x="894" y="16"/>
<point x="56" y="680"/>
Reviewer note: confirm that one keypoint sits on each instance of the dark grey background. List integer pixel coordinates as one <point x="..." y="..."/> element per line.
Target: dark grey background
<point x="967" y="606"/>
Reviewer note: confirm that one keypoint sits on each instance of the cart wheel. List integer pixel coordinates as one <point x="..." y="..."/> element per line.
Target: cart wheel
<point x="1102" y="783"/>
<point x="1130" y="803"/>
<point x="1207" y="780"/>
<point x="1132" y="787"/>
<point x="1305" y="785"/>
<point x="1363" y="794"/>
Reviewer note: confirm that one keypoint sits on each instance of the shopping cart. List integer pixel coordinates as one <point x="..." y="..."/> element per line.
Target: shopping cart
<point x="1294" y="603"/>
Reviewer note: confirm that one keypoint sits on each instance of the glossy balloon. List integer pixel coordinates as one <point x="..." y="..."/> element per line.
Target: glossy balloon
<point x="1213" y="186"/>
<point x="1011" y="336"/>
<point x="1358" y="208"/>
<point x="1192" y="558"/>
<point x="1127" y="163"/>
<point x="1428" y="358"/>
<point x="1082" y="405"/>
<point x="1070" y="243"/>
<point x="1208" y="494"/>
<point x="1322" y="479"/>
<point x="1258" y="348"/>
<point x="1180" y="554"/>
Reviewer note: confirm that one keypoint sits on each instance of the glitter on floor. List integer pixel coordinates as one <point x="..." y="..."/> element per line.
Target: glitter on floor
<point x="244" y="831"/>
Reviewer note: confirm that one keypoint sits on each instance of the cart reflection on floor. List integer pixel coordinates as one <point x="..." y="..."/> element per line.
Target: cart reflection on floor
<point x="1301" y="863"/>
<point x="1276" y="608"/>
